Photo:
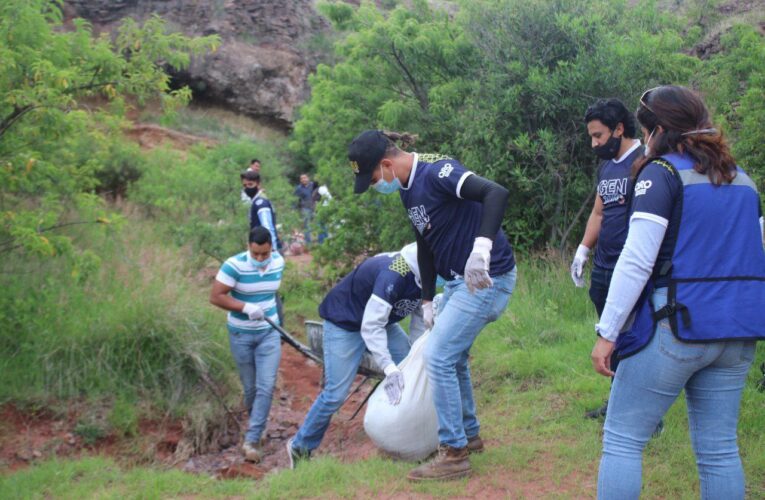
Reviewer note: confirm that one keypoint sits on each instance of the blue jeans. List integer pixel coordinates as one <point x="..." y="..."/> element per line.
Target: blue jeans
<point x="600" y="281"/>
<point x="307" y="215"/>
<point x="257" y="357"/>
<point x="342" y="355"/>
<point x="646" y="385"/>
<point x="461" y="318"/>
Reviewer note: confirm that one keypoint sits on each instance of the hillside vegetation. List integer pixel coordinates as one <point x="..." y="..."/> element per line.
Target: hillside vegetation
<point x="107" y="248"/>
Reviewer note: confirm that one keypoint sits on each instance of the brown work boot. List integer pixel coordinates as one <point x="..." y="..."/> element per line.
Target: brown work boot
<point x="475" y="444"/>
<point x="449" y="463"/>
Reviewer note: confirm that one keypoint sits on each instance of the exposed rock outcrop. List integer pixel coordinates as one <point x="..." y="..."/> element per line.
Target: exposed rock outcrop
<point x="262" y="66"/>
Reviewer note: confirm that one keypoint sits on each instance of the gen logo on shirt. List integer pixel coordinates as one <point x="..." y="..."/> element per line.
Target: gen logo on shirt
<point x="445" y="171"/>
<point x="642" y="186"/>
<point x="419" y="217"/>
<point x="258" y="202"/>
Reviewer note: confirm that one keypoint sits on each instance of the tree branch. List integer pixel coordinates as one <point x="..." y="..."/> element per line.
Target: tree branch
<point x="5" y="248"/>
<point x="17" y="113"/>
<point x="421" y="97"/>
<point x="576" y="218"/>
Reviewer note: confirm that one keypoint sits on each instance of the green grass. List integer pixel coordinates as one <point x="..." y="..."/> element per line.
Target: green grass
<point x="533" y="383"/>
<point x="217" y="123"/>
<point x="136" y="338"/>
<point x="134" y="327"/>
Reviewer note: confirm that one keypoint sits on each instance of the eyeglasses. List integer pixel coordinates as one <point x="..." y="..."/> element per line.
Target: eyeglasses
<point x="642" y="99"/>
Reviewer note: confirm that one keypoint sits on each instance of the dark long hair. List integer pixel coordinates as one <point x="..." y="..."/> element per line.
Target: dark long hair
<point x="687" y="128"/>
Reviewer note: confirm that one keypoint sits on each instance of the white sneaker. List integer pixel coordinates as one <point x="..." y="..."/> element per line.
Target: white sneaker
<point x="295" y="455"/>
<point x="252" y="452"/>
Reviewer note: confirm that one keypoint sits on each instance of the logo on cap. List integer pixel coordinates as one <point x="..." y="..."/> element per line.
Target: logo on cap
<point x="355" y="167"/>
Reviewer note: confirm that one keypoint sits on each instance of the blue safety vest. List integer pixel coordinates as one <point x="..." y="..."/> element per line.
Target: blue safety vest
<point x="716" y="277"/>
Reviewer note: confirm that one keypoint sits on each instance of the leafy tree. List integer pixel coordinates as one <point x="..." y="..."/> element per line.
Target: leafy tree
<point x="398" y="71"/>
<point x="63" y="94"/>
<point x="734" y="83"/>
<point x="543" y="63"/>
<point x="502" y="86"/>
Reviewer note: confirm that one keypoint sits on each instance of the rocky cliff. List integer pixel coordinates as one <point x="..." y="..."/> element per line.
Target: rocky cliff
<point x="268" y="48"/>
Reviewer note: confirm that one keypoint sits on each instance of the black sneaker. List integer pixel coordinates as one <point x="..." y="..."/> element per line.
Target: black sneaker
<point x="597" y="412"/>
<point x="296" y="456"/>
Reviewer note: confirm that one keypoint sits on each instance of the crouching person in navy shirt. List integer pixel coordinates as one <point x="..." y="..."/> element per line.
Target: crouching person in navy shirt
<point x="246" y="287"/>
<point x="456" y="217"/>
<point x="691" y="280"/>
<point x="362" y="312"/>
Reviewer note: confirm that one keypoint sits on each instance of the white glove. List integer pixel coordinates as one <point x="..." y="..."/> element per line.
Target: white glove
<point x="427" y="314"/>
<point x="577" y="267"/>
<point x="437" y="304"/>
<point x="477" y="266"/>
<point x="394" y="385"/>
<point x="253" y="311"/>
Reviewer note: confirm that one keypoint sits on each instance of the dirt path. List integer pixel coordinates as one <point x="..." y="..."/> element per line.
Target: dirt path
<point x="296" y="388"/>
<point x="27" y="436"/>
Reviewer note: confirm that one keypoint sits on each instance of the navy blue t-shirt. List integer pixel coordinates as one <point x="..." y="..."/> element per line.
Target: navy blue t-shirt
<point x="262" y="214"/>
<point x="657" y="190"/>
<point x="387" y="276"/>
<point x="448" y="223"/>
<point x="613" y="190"/>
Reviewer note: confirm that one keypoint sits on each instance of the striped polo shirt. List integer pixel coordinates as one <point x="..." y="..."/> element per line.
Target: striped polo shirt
<point x="251" y="284"/>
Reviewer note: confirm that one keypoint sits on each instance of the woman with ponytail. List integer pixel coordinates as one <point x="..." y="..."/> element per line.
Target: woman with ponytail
<point x="684" y="308"/>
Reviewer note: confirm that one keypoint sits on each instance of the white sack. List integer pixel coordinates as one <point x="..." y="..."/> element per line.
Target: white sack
<point x="408" y="430"/>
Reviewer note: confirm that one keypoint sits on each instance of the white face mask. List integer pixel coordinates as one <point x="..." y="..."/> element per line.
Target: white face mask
<point x="647" y="151"/>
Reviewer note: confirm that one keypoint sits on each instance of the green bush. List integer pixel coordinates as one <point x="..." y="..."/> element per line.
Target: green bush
<point x="196" y="195"/>
<point x="136" y="327"/>
<point x="734" y="83"/>
<point x="52" y="144"/>
<point x="123" y="417"/>
<point x="502" y="86"/>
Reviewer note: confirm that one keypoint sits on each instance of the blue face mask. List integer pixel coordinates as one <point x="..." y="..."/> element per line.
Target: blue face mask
<point x="385" y="187"/>
<point x="259" y="264"/>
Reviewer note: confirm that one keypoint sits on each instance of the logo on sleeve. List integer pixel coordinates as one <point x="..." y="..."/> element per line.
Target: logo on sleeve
<point x="419" y="217"/>
<point x="642" y="186"/>
<point x="405" y="307"/>
<point x="445" y="171"/>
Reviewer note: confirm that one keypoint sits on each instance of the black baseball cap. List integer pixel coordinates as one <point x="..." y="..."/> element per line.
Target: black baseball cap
<point x="365" y="152"/>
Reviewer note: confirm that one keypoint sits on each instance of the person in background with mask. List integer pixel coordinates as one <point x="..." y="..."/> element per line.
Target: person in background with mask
<point x="684" y="310"/>
<point x="612" y="130"/>
<point x="246" y="287"/>
<point x="456" y="217"/>
<point x="261" y="211"/>
<point x="362" y="311"/>
<point x="250" y="186"/>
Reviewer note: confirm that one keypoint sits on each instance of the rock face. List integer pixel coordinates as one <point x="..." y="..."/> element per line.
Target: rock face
<point x="267" y="50"/>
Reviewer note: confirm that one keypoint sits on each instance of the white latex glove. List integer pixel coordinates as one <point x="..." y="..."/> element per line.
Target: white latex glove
<point x="427" y="314"/>
<point x="393" y="384"/>
<point x="437" y="304"/>
<point x="253" y="311"/>
<point x="577" y="266"/>
<point x="477" y="266"/>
